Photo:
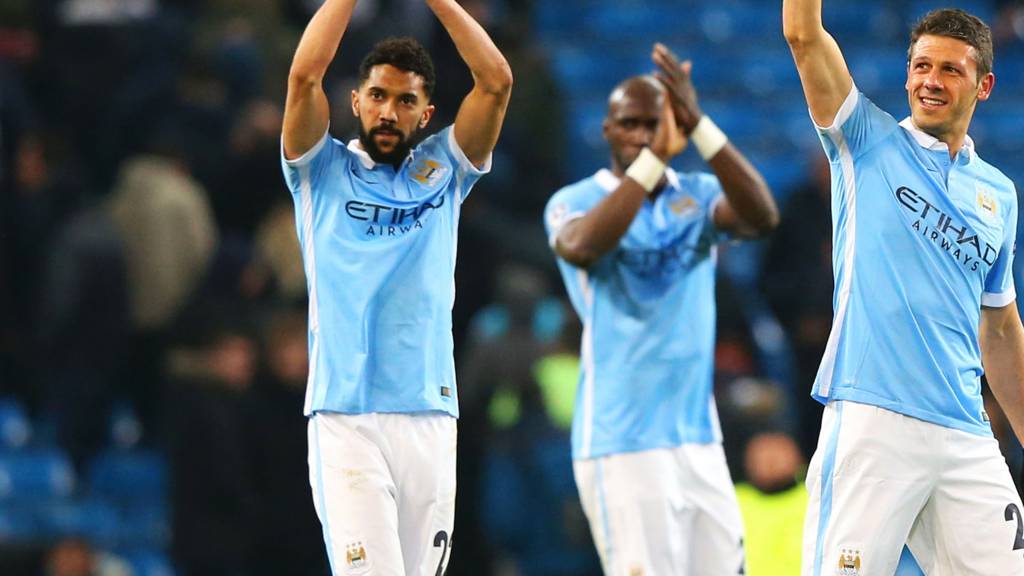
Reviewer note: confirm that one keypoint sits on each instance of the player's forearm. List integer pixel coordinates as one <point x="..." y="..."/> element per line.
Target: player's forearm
<point x="1002" y="347"/>
<point x="320" y="41"/>
<point x="586" y="240"/>
<point x="746" y="191"/>
<point x="801" y="21"/>
<point x="490" y="70"/>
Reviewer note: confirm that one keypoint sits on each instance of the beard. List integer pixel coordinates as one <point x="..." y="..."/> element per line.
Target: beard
<point x="396" y="155"/>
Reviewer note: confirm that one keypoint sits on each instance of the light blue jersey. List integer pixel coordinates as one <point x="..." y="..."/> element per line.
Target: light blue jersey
<point x="379" y="252"/>
<point x="920" y="244"/>
<point x="648" y="312"/>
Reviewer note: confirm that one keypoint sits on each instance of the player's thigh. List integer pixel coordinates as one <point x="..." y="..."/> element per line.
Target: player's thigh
<point x="639" y="518"/>
<point x="869" y="478"/>
<point x="716" y="540"/>
<point x="973" y="525"/>
<point x="422" y="450"/>
<point x="353" y="493"/>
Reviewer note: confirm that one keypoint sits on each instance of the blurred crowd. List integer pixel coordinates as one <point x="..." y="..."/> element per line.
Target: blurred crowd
<point x="148" y="258"/>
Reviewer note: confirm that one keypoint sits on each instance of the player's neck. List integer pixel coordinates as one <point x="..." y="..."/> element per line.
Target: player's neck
<point x="953" y="139"/>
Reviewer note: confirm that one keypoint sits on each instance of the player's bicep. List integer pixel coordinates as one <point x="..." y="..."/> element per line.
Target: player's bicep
<point x="306" y="117"/>
<point x="478" y="123"/>
<point x="824" y="75"/>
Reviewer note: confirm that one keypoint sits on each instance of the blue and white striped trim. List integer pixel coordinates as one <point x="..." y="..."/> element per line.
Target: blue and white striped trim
<point x="320" y="494"/>
<point x="828" y="361"/>
<point x="827" y="472"/>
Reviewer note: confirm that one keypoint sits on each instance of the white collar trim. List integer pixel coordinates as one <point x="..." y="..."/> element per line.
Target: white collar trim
<point x="357" y="148"/>
<point x="930" y="142"/>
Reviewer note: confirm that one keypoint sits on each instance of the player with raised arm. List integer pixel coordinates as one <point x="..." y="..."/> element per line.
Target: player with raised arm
<point x="924" y="232"/>
<point x="377" y="221"/>
<point x="636" y="247"/>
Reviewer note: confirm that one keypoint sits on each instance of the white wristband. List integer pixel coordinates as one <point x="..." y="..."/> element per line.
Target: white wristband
<point x="646" y="170"/>
<point x="708" y="138"/>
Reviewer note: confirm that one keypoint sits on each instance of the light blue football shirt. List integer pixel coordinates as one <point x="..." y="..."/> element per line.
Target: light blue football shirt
<point x="378" y="246"/>
<point x="648" y="313"/>
<point x="920" y="244"/>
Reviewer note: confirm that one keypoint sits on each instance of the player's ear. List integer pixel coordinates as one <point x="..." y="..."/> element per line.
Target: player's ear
<point x="355" y="103"/>
<point x="428" y="113"/>
<point x="606" y="126"/>
<point x="988" y="82"/>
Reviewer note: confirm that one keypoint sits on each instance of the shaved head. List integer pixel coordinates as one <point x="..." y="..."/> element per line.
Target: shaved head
<point x="638" y="87"/>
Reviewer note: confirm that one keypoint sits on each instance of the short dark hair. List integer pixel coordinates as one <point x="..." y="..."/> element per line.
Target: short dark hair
<point x="406" y="54"/>
<point x="955" y="23"/>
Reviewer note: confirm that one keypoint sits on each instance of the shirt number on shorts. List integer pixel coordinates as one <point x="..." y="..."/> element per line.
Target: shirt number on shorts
<point x="441" y="539"/>
<point x="1012" y="512"/>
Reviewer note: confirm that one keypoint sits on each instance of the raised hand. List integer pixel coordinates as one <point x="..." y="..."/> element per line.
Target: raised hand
<point x="669" y="140"/>
<point x="675" y="76"/>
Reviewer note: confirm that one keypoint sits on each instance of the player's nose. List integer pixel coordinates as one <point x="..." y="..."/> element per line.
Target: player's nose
<point x="388" y="112"/>
<point x="933" y="81"/>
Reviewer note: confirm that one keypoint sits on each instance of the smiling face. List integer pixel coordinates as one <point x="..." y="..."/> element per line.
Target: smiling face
<point x="391" y="106"/>
<point x="944" y="87"/>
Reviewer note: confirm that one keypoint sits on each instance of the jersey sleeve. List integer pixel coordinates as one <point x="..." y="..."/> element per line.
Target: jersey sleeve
<point x="999" y="288"/>
<point x="311" y="166"/>
<point x="857" y="127"/>
<point x="564" y="206"/>
<point x="708" y="191"/>
<point x="466" y="174"/>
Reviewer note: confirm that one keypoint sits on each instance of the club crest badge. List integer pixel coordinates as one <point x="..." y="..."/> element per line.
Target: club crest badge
<point x="849" y="563"/>
<point x="356" y="561"/>
<point x="684" y="207"/>
<point x="428" y="172"/>
<point x="987" y="202"/>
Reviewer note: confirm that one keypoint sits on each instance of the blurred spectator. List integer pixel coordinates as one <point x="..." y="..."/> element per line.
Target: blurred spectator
<point x="213" y="498"/>
<point x="83" y="327"/>
<point x="165" y="218"/>
<point x="277" y="248"/>
<point x="288" y="535"/>
<point x="797" y="282"/>
<point x="165" y="221"/>
<point x="495" y="363"/>
<point x="250" y="182"/>
<point x="773" y="503"/>
<point x="75" y="557"/>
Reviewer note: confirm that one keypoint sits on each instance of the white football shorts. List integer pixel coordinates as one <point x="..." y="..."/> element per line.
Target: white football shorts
<point x="663" y="512"/>
<point x="384" y="490"/>
<point x="879" y="479"/>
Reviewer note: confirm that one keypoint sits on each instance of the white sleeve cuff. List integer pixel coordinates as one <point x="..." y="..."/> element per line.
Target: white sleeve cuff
<point x="843" y="114"/>
<point x="553" y="237"/>
<point x="308" y="155"/>
<point x="990" y="300"/>
<point x="464" y="162"/>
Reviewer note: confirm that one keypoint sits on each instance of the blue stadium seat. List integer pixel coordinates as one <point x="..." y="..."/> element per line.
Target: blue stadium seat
<point x="18" y="524"/>
<point x="882" y="69"/>
<point x="596" y="68"/>
<point x="35" y="474"/>
<point x="129" y="476"/>
<point x="93" y="519"/>
<point x="15" y="429"/>
<point x="148" y="562"/>
<point x="728" y="24"/>
<point x="146" y="524"/>
<point x="649" y="20"/>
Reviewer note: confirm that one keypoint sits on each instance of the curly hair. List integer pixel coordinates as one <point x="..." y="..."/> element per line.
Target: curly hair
<point x="406" y="54"/>
<point x="955" y="23"/>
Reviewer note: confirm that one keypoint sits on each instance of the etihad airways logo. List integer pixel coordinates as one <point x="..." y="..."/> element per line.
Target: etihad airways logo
<point x="955" y="238"/>
<point x="383" y="220"/>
